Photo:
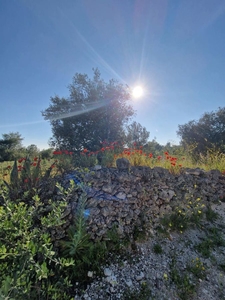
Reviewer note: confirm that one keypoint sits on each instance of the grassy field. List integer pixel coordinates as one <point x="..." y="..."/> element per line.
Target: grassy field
<point x="136" y="157"/>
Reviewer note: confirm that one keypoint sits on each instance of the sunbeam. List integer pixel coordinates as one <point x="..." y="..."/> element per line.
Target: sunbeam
<point x="83" y="108"/>
<point x="94" y="54"/>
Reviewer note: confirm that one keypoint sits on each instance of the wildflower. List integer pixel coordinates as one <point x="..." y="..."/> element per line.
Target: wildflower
<point x="198" y="199"/>
<point x="70" y="153"/>
<point x="34" y="164"/>
<point x="20" y="160"/>
<point x="180" y="166"/>
<point x="9" y="167"/>
<point x="103" y="149"/>
<point x="165" y="276"/>
<point x="199" y="211"/>
<point x="35" y="159"/>
<point x="166" y="153"/>
<point x="26" y="180"/>
<point x="159" y="157"/>
<point x="150" y="155"/>
<point x="57" y="152"/>
<point x="52" y="166"/>
<point x="85" y="150"/>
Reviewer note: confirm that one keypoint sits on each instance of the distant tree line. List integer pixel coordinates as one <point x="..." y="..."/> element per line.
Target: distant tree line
<point x="97" y="111"/>
<point x="208" y="133"/>
<point x="11" y="148"/>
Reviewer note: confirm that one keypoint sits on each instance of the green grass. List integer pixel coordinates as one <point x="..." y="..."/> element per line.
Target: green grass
<point x="157" y="248"/>
<point x="212" y="240"/>
<point x="144" y="293"/>
<point x="185" y="286"/>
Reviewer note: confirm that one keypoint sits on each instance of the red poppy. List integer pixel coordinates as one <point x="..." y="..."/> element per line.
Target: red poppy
<point x="150" y="155"/>
<point x="35" y="159"/>
<point x="52" y="166"/>
<point x="26" y="180"/>
<point x="180" y="166"/>
<point x="66" y="151"/>
<point x="20" y="160"/>
<point x="57" y="152"/>
<point x="9" y="167"/>
<point x="85" y="150"/>
<point x="166" y="153"/>
<point x="159" y="157"/>
<point x="173" y="164"/>
<point x="173" y="158"/>
<point x="103" y="149"/>
<point x="34" y="164"/>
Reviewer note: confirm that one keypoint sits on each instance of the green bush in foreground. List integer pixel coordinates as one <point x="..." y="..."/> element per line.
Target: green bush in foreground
<point x="30" y="268"/>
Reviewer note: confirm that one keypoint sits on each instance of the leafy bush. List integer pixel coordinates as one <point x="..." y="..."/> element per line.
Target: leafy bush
<point x="30" y="268"/>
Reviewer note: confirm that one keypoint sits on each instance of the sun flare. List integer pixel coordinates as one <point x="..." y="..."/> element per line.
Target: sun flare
<point x="137" y="91"/>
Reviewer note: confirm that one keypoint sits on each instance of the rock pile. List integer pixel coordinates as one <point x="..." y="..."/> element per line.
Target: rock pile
<point x="127" y="198"/>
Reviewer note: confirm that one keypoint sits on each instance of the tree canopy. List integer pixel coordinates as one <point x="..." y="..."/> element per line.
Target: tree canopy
<point x="136" y="133"/>
<point x="206" y="133"/>
<point x="10" y="145"/>
<point x="95" y="111"/>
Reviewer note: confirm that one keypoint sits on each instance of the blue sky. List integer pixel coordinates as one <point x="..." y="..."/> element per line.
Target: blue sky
<point x="175" y="49"/>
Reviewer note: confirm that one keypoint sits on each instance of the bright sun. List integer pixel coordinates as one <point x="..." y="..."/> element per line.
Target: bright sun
<point x="137" y="91"/>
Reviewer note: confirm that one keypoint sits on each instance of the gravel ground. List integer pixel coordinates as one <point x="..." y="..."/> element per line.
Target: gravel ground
<point x="164" y="274"/>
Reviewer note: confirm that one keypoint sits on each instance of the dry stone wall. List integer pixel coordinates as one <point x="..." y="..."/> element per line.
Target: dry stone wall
<point x="126" y="198"/>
